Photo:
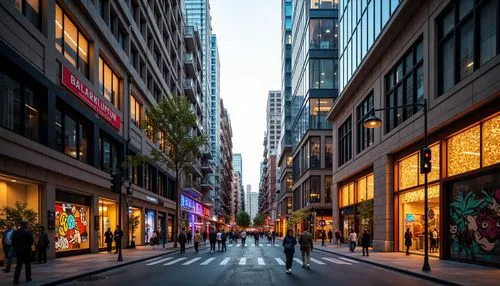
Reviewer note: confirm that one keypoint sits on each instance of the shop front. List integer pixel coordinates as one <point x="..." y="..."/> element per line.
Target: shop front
<point x="108" y="218"/>
<point x="135" y="221"/>
<point x="195" y="214"/>
<point x="149" y="225"/>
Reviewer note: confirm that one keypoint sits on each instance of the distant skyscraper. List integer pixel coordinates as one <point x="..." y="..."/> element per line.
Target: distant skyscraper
<point x="252" y="202"/>
<point x="273" y="115"/>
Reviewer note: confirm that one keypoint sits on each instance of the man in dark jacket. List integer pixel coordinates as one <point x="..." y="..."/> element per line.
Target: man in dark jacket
<point x="182" y="240"/>
<point x="289" y="243"/>
<point x="22" y="241"/>
<point x="42" y="246"/>
<point x="118" y="235"/>
<point x="365" y="242"/>
<point x="306" y="246"/>
<point x="213" y="240"/>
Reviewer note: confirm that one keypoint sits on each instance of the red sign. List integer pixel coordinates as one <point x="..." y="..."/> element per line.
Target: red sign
<point x="81" y="90"/>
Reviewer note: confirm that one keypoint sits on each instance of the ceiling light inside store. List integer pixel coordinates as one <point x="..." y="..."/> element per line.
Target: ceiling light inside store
<point x="13" y="181"/>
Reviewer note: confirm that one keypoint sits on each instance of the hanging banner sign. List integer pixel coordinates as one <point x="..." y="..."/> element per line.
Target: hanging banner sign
<point x="83" y="92"/>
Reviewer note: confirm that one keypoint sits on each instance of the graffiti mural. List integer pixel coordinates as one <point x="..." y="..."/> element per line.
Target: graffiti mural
<point x="475" y="220"/>
<point x="71" y="226"/>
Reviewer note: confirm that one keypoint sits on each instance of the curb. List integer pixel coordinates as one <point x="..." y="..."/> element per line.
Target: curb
<point x="397" y="269"/>
<point x="90" y="273"/>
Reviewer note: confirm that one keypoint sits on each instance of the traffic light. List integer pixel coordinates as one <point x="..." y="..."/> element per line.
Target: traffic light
<point x="425" y="160"/>
<point x="116" y="183"/>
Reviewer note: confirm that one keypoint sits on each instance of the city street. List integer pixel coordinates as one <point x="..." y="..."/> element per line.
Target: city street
<point x="250" y="265"/>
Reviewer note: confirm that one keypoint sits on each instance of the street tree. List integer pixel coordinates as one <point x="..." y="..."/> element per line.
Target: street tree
<point x="295" y="218"/>
<point x="243" y="219"/>
<point x="259" y="220"/>
<point x="176" y="123"/>
<point x="365" y="210"/>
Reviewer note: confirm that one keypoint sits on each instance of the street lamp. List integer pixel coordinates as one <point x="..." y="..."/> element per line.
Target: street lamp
<point x="372" y="121"/>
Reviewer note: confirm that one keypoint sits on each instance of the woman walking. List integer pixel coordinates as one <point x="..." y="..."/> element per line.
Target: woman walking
<point x="408" y="237"/>
<point x="365" y="242"/>
<point x="289" y="244"/>
<point x="197" y="239"/>
<point x="108" y="239"/>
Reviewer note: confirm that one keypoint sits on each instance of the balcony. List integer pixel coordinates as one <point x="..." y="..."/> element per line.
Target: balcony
<point x="192" y="38"/>
<point x="207" y="168"/>
<point x="190" y="65"/>
<point x="206" y="185"/>
<point x="192" y="187"/>
<point x="190" y="89"/>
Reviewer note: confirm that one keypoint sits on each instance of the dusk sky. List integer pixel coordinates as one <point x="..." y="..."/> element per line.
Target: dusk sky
<point x="249" y="36"/>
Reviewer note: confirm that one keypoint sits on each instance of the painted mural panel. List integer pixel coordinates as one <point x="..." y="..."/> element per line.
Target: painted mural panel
<point x="475" y="219"/>
<point x="72" y="231"/>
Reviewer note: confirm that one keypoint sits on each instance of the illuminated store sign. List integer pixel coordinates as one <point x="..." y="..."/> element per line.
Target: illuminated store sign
<point x="193" y="206"/>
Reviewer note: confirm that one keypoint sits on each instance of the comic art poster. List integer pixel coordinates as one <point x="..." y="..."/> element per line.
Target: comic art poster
<point x="475" y="219"/>
<point x="71" y="226"/>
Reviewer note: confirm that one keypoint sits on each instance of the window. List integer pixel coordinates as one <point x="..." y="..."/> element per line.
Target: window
<point x="409" y="169"/>
<point x="149" y="130"/>
<point x="365" y="136"/>
<point x="324" y="4"/>
<point x="345" y="142"/>
<point x="404" y="86"/>
<point x="321" y="33"/>
<point x="319" y="108"/>
<point x="468" y="38"/>
<point x="328" y="189"/>
<point x="346" y="195"/>
<point x="31" y="10"/>
<point x="135" y="111"/>
<point x="71" y="42"/>
<point x="71" y="136"/>
<point x="109" y="84"/>
<point x="328" y="152"/>
<point x="322" y="74"/>
<point x="315" y="147"/>
<point x="108" y="153"/>
<point x="315" y="195"/>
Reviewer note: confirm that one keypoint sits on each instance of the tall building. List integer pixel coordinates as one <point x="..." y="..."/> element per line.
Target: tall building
<point x="314" y="88"/>
<point x="238" y="168"/>
<point x="273" y="119"/>
<point x="444" y="54"/>
<point x="252" y="202"/>
<point x="224" y="198"/>
<point x="284" y="154"/>
<point x="75" y="81"/>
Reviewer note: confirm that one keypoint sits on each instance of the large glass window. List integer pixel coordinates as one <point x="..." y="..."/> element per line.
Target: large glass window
<point x="474" y="25"/>
<point x="109" y="83"/>
<point x="71" y="136"/>
<point x="72" y="226"/>
<point x="321" y="34"/>
<point x="108" y="211"/>
<point x="328" y="189"/>
<point x="71" y="42"/>
<point x="345" y="142"/>
<point x="322" y="74"/>
<point x="365" y="136"/>
<point x="409" y="169"/>
<point x="319" y="110"/>
<point x="404" y="86"/>
<point x="315" y="196"/>
<point x="108" y="153"/>
<point x="491" y="141"/>
<point x="31" y="9"/>
<point x="315" y="147"/>
<point x="10" y="103"/>
<point x="324" y="4"/>
<point x="328" y="152"/>
<point x="135" y="111"/>
<point x="346" y="195"/>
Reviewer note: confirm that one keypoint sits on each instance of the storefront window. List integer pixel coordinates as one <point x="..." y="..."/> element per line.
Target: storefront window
<point x="315" y="196"/>
<point x="408" y="172"/>
<point x="347" y="195"/>
<point x="149" y="226"/>
<point x="135" y="235"/>
<point x="72" y="226"/>
<point x="491" y="141"/>
<point x="362" y="189"/>
<point x="464" y="151"/>
<point x="107" y="218"/>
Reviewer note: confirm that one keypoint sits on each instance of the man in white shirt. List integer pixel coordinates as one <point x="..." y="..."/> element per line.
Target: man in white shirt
<point x="243" y="238"/>
<point x="353" y="239"/>
<point x="7" y="246"/>
<point x="219" y="239"/>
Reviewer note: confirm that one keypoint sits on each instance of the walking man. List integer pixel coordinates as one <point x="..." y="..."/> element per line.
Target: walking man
<point x="189" y="236"/>
<point x="108" y="239"/>
<point x="243" y="238"/>
<point x="118" y="238"/>
<point x="274" y="236"/>
<point x="256" y="238"/>
<point x="323" y="237"/>
<point x="204" y="236"/>
<point x="353" y="239"/>
<point x="365" y="242"/>
<point x="306" y="246"/>
<point x="7" y="246"/>
<point x="330" y="236"/>
<point x="182" y="240"/>
<point x="338" y="238"/>
<point x="408" y="238"/>
<point x="42" y="246"/>
<point x="213" y="240"/>
<point x="22" y="240"/>
<point x="219" y="240"/>
<point x="289" y="245"/>
<point x="197" y="239"/>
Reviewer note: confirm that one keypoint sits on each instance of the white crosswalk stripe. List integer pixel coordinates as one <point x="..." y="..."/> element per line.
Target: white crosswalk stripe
<point x="268" y="244"/>
<point x="277" y="245"/>
<point x="348" y="260"/>
<point x="336" y="261"/>
<point x="243" y="261"/>
<point x="317" y="261"/>
<point x="280" y="262"/>
<point x="206" y="262"/>
<point x="151" y="260"/>
<point x="253" y="244"/>
<point x="297" y="260"/>
<point x="260" y="261"/>
<point x="225" y="261"/>
<point x="159" y="261"/>
<point x="230" y="245"/>
<point x="175" y="261"/>
<point x="192" y="261"/>
<point x="238" y="245"/>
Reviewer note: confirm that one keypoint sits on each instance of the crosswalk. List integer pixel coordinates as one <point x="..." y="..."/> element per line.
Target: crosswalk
<point x="221" y="261"/>
<point x="255" y="245"/>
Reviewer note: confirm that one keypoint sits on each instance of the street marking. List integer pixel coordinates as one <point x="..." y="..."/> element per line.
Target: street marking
<point x="336" y="261"/>
<point x="150" y="260"/>
<point x="268" y="244"/>
<point x="317" y="261"/>
<point x="277" y="245"/>
<point x="175" y="261"/>
<point x="348" y="260"/>
<point x="260" y="260"/>
<point x="243" y="261"/>
<point x="298" y="260"/>
<point x="225" y="261"/>
<point x="230" y="245"/>
<point x="280" y="262"/>
<point x="159" y="261"/>
<point x="192" y="261"/>
<point x="206" y="262"/>
<point x="238" y="245"/>
<point x="253" y="244"/>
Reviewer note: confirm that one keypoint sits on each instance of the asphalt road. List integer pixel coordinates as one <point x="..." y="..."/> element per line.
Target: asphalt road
<point x="251" y="265"/>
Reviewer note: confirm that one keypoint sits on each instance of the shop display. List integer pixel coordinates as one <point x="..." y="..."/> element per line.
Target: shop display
<point x="71" y="226"/>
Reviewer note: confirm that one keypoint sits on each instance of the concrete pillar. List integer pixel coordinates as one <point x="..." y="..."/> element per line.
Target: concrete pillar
<point x="48" y="195"/>
<point x="383" y="212"/>
<point x="335" y="208"/>
<point x="93" y="228"/>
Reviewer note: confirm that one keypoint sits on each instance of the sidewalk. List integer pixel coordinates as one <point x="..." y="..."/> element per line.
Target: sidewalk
<point x="442" y="271"/>
<point x="69" y="268"/>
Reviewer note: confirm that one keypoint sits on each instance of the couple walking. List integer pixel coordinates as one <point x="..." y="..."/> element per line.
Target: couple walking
<point x="306" y="246"/>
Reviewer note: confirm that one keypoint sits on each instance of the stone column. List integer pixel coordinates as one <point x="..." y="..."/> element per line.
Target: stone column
<point x="94" y="234"/>
<point x="335" y="208"/>
<point x="383" y="212"/>
<point x="48" y="195"/>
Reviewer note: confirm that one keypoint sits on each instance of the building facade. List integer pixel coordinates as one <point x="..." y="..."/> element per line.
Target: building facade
<point x="314" y="59"/>
<point x="445" y="53"/>
<point x="75" y="81"/>
<point x="252" y="203"/>
<point x="238" y="169"/>
<point x="224" y="198"/>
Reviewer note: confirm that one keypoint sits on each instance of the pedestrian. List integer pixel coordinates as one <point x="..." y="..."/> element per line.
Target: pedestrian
<point x="289" y="248"/>
<point x="213" y="240"/>
<point x="153" y="240"/>
<point x="434" y="238"/>
<point x="256" y="238"/>
<point x="163" y="238"/>
<point x="118" y="235"/>
<point x="365" y="242"/>
<point x="353" y="239"/>
<point x="182" y="238"/>
<point x="197" y="239"/>
<point x="223" y="240"/>
<point x="306" y="246"/>
<point x="408" y="240"/>
<point x="108" y="239"/>
<point x="189" y="236"/>
<point x="219" y="240"/>
<point x="274" y="236"/>
<point x="243" y="238"/>
<point x="338" y="238"/>
<point x="323" y="237"/>
<point x="22" y="241"/>
<point x="204" y="236"/>
<point x="7" y="247"/>
<point x="330" y="236"/>
<point x="42" y="245"/>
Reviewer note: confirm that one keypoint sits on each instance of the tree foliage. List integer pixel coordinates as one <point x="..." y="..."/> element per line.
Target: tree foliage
<point x="296" y="217"/>
<point x="15" y="215"/>
<point x="243" y="219"/>
<point x="133" y="223"/>
<point x="365" y="210"/>
<point x="259" y="220"/>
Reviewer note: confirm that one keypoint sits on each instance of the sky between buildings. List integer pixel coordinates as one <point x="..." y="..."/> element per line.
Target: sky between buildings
<point x="249" y="37"/>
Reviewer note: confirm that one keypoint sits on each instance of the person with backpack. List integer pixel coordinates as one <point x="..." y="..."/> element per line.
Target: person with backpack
<point x="213" y="240"/>
<point x="306" y="247"/>
<point x="182" y="238"/>
<point x="42" y="246"/>
<point x="365" y="242"/>
<point x="289" y="249"/>
<point x="243" y="238"/>
<point x="108" y="239"/>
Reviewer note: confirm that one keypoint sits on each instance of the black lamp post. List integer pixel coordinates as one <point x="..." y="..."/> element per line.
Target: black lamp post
<point x="372" y="121"/>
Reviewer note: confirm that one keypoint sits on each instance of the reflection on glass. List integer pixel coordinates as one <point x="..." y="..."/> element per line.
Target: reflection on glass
<point x="31" y="114"/>
<point x="488" y="32"/>
<point x="464" y="151"/>
<point x="466" y="49"/>
<point x="70" y="38"/>
<point x="70" y="147"/>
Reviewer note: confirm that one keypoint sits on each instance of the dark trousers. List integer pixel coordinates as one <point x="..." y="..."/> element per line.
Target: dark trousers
<point x="109" y="246"/>
<point x="26" y="260"/>
<point x="408" y="249"/>
<point x="224" y="248"/>
<point x="289" y="260"/>
<point x="212" y="245"/>
<point x="8" y="262"/>
<point x="42" y="254"/>
<point x="118" y="246"/>
<point x="183" y="247"/>
<point x="243" y="241"/>
<point x="274" y="239"/>
<point x="196" y="246"/>
<point x="365" y="248"/>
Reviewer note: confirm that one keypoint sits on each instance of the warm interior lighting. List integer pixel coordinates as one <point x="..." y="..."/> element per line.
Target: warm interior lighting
<point x="470" y="64"/>
<point x="471" y="153"/>
<point x="13" y="181"/>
